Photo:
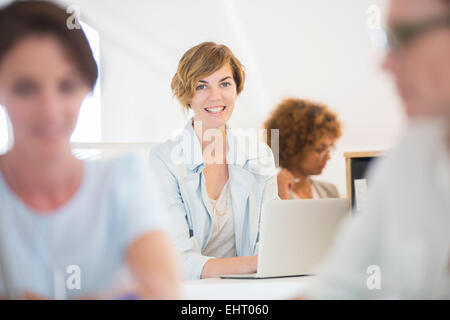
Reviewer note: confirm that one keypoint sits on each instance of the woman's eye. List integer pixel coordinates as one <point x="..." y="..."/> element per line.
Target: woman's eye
<point x="68" y="86"/>
<point x="225" y="84"/>
<point x="25" y="89"/>
<point x="320" y="149"/>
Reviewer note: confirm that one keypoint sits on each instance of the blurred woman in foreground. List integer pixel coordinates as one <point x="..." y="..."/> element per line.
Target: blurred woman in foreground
<point x="67" y="227"/>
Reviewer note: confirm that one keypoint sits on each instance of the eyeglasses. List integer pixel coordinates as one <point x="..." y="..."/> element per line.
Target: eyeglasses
<point x="400" y="35"/>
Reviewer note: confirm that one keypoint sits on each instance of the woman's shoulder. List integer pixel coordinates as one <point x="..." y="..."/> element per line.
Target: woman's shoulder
<point x="129" y="169"/>
<point x="172" y="150"/>
<point x="165" y="148"/>
<point x="245" y="145"/>
<point x="167" y="157"/>
<point x="126" y="168"/>
<point x="416" y="148"/>
<point x="125" y="180"/>
<point x="264" y="163"/>
<point x="260" y="159"/>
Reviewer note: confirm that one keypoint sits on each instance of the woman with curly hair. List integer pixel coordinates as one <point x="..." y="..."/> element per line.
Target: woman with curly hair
<point x="307" y="133"/>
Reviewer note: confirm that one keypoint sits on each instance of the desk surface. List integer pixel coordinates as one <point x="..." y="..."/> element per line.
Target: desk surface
<point x="242" y="289"/>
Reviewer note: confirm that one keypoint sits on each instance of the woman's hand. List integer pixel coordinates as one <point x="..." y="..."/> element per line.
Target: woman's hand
<point x="285" y="181"/>
<point x="154" y="266"/>
<point x="234" y="265"/>
<point x="28" y="295"/>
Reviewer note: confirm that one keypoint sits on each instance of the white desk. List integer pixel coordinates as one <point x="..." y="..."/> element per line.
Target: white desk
<point x="242" y="289"/>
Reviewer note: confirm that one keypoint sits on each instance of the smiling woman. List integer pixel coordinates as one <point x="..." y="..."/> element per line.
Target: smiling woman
<point x="200" y="61"/>
<point x="57" y="212"/>
<point x="211" y="188"/>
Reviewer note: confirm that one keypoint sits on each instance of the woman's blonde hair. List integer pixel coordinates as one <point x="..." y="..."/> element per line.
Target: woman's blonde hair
<point x="202" y="61"/>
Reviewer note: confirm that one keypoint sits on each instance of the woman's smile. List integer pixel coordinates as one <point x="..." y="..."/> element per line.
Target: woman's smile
<point x="216" y="110"/>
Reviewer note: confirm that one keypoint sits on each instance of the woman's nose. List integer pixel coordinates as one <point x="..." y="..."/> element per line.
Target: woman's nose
<point x="49" y="105"/>
<point x="325" y="155"/>
<point x="214" y="94"/>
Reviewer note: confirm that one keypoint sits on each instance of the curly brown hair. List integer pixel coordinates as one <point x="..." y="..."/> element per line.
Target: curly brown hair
<point x="301" y="123"/>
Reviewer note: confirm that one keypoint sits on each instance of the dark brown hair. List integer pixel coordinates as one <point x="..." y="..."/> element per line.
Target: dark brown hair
<point x="21" y="19"/>
<point x="301" y="123"/>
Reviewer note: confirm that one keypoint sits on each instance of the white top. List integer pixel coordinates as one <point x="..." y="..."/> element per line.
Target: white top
<point x="222" y="243"/>
<point x="400" y="246"/>
<point x="87" y="236"/>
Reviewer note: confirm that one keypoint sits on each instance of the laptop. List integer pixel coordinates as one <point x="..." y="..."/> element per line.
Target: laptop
<point x="295" y="235"/>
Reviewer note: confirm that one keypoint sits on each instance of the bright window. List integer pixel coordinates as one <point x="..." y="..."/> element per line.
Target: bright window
<point x="3" y="131"/>
<point x="89" y="128"/>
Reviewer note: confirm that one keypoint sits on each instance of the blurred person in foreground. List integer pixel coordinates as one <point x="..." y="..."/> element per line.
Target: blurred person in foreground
<point x="68" y="227"/>
<point x="399" y="247"/>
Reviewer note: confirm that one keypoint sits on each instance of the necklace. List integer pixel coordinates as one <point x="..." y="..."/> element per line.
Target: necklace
<point x="306" y="192"/>
<point x="217" y="211"/>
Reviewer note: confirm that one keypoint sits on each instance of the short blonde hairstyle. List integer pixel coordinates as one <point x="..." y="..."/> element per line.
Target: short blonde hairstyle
<point x="202" y="61"/>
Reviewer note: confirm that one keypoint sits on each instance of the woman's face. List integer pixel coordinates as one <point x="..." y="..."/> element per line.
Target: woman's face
<point x="42" y="92"/>
<point x="316" y="157"/>
<point x="214" y="98"/>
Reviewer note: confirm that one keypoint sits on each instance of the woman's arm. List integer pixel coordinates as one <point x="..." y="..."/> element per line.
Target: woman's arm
<point x="285" y="181"/>
<point x="154" y="266"/>
<point x="192" y="260"/>
<point x="234" y="265"/>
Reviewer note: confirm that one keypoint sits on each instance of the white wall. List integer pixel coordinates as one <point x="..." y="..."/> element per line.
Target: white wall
<point x="317" y="49"/>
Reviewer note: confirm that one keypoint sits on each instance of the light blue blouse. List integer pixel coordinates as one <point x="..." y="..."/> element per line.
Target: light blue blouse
<point x="178" y="165"/>
<point x="41" y="253"/>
